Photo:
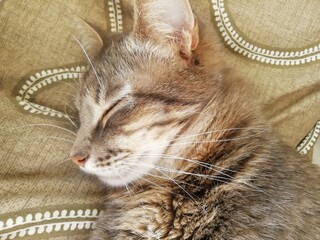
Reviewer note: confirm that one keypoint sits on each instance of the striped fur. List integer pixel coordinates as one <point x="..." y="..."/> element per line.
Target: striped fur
<point x="187" y="148"/>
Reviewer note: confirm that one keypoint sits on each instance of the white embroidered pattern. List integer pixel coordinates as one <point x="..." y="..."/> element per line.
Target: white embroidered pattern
<point x="41" y="80"/>
<point x="249" y="50"/>
<point x="115" y="15"/>
<point x="305" y="146"/>
<point x="48" y="222"/>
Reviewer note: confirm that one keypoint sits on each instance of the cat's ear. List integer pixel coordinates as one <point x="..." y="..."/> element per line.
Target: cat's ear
<point x="167" y="21"/>
<point x="89" y="40"/>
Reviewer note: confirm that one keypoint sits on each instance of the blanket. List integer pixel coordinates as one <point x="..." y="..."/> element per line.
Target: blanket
<point x="274" y="45"/>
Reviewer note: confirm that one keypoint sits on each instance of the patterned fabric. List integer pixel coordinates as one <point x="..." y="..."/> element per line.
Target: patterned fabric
<point x="310" y="145"/>
<point x="274" y="44"/>
<point x="240" y="44"/>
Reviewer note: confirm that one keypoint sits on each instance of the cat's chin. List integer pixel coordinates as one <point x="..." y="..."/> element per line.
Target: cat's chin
<point x="111" y="179"/>
<point x="117" y="181"/>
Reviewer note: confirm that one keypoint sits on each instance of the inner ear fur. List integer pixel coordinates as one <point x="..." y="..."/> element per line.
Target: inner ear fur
<point x="168" y="22"/>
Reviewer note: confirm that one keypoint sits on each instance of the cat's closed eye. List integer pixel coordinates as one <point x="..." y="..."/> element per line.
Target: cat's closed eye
<point x="114" y="107"/>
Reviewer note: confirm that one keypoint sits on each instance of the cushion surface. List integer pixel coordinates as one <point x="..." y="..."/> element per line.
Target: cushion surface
<point x="273" y="44"/>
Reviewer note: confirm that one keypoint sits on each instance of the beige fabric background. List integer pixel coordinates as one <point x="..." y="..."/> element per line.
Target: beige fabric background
<point x="38" y="184"/>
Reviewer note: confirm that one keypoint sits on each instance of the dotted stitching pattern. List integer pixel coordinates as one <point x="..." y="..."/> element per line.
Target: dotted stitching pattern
<point x="41" y="80"/>
<point x="249" y="50"/>
<point x="305" y="146"/>
<point x="115" y="15"/>
<point x="48" y="222"/>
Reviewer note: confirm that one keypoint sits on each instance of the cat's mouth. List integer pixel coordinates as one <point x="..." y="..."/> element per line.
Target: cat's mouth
<point x="121" y="172"/>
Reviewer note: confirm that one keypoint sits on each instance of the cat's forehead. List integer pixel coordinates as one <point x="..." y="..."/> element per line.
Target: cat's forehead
<point x="109" y="74"/>
<point x="125" y="62"/>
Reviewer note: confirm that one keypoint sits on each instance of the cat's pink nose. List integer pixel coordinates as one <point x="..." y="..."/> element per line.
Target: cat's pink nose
<point x="79" y="159"/>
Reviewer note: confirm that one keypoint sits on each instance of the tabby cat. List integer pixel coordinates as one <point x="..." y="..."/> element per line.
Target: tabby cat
<point x="184" y="148"/>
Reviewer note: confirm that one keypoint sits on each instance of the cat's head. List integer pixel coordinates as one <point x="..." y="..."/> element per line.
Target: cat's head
<point x="140" y="93"/>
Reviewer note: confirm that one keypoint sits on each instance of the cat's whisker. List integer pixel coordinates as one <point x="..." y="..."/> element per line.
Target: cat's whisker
<point x="201" y="163"/>
<point x="205" y="165"/>
<point x="54" y="165"/>
<point x="69" y="118"/>
<point x="175" y="182"/>
<point x="125" y="185"/>
<point x="198" y="112"/>
<point x="63" y="161"/>
<point x="135" y="185"/>
<point x="53" y="138"/>
<point x="174" y="171"/>
<point x="204" y="141"/>
<point x="167" y="177"/>
<point x="55" y="99"/>
<point x="149" y="181"/>
<point x="214" y="178"/>
<point x="217" y="178"/>
<point x="71" y="174"/>
<point x="130" y="190"/>
<point x="45" y="125"/>
<point x="88" y="58"/>
<point x="154" y="168"/>
<point x="70" y="85"/>
<point x="218" y="131"/>
<point x="65" y="93"/>
<point x="76" y="81"/>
